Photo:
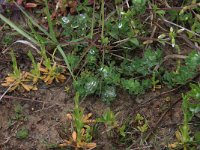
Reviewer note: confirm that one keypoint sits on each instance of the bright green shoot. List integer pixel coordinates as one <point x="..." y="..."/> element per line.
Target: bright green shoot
<point x="78" y="118"/>
<point x="16" y="70"/>
<point x="36" y="68"/>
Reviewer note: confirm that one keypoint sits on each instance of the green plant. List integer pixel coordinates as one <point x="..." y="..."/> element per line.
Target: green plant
<point x="190" y="106"/>
<point x="155" y="82"/>
<point x="51" y="35"/>
<point x="35" y="72"/>
<point x="142" y="66"/>
<point x="102" y="83"/>
<point x="185" y="72"/>
<point x="81" y="135"/>
<point x="22" y="133"/>
<point x="7" y="40"/>
<point x="86" y="84"/>
<point x="50" y="72"/>
<point x="108" y="118"/>
<point x="18" y="112"/>
<point x="142" y="124"/>
<point x="17" y="78"/>
<point x="135" y="86"/>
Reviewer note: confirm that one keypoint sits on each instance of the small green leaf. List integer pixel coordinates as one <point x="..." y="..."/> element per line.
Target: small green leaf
<point x="135" y="41"/>
<point x="22" y="133"/>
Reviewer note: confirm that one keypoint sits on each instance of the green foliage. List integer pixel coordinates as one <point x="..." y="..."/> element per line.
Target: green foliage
<point x="78" y="118"/>
<point x="92" y="57"/>
<point x="73" y="60"/>
<point x="18" y="112"/>
<point x="158" y="11"/>
<point x="109" y="75"/>
<point x="139" y="6"/>
<point x="16" y="71"/>
<point x="185" y="72"/>
<point x="18" y="116"/>
<point x="122" y="130"/>
<point x="125" y="27"/>
<point x="86" y="84"/>
<point x="194" y="106"/>
<point x="142" y="66"/>
<point x="190" y="106"/>
<point x="7" y="39"/>
<point x="76" y="26"/>
<point x="108" y="94"/>
<point x="141" y="122"/>
<point x="108" y="118"/>
<point x="150" y="59"/>
<point x="36" y="68"/>
<point x="103" y="83"/>
<point x="37" y="36"/>
<point x="135" y="87"/>
<point x="22" y="133"/>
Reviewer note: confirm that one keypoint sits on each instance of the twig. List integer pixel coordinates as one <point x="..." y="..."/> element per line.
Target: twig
<point x="26" y="99"/>
<point x="120" y="57"/>
<point x="122" y="41"/>
<point x="6" y="141"/>
<point x="8" y="138"/>
<point x="185" y="38"/>
<point x="169" y="57"/>
<point x="128" y="6"/>
<point x="160" y="119"/>
<point x="45" y="108"/>
<point x="2" y="95"/>
<point x="169" y="22"/>
<point x="157" y="123"/>
<point x="22" y="42"/>
<point x="163" y="93"/>
<point x="142" y="147"/>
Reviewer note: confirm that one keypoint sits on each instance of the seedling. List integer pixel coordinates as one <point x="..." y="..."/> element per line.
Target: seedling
<point x="18" y="112"/>
<point x="142" y="124"/>
<point x="35" y="72"/>
<point x="22" y="133"/>
<point x="190" y="106"/>
<point x="50" y="72"/>
<point x="155" y="82"/>
<point x="81" y="135"/>
<point x="18" y="78"/>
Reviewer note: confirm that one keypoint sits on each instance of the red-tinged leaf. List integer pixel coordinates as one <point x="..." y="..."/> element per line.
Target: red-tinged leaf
<point x="30" y="5"/>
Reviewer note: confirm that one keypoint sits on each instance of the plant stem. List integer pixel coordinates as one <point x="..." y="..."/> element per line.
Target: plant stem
<point x="93" y="20"/>
<point x="102" y="19"/>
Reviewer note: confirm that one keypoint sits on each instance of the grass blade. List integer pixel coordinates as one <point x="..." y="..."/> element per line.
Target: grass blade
<point x="20" y="31"/>
<point x="34" y="22"/>
<point x="66" y="60"/>
<point x="50" y="24"/>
